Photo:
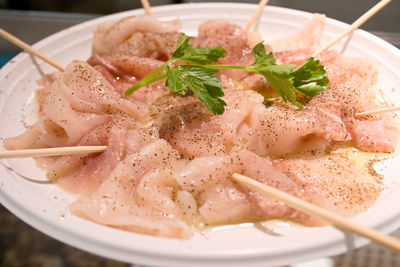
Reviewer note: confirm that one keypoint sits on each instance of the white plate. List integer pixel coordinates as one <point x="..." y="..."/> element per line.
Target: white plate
<point x="45" y="206"/>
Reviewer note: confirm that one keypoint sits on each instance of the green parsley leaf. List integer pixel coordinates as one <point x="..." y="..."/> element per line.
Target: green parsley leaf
<point x="280" y="78"/>
<point x="261" y="58"/>
<point x="196" y="55"/>
<point x="278" y="75"/>
<point x="181" y="46"/>
<point x="201" y="81"/>
<point x="176" y="81"/>
<point x="310" y="78"/>
<point x="202" y="55"/>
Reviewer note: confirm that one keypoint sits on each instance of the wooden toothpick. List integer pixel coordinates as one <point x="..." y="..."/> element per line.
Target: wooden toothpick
<point x="356" y="24"/>
<point x="311" y="209"/>
<point x="256" y="14"/>
<point x="146" y="6"/>
<point x="377" y="111"/>
<point x="47" y="152"/>
<point x="29" y="49"/>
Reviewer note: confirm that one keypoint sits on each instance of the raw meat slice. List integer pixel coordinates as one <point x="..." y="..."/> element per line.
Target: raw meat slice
<point x="84" y="174"/>
<point x="283" y="129"/>
<point x="88" y="91"/>
<point x="334" y="182"/>
<point x="232" y="38"/>
<point x="109" y="36"/>
<point x="154" y="45"/>
<point x="195" y="131"/>
<point x="308" y="36"/>
<point x="120" y="201"/>
<point x="377" y="133"/>
<point x="124" y="71"/>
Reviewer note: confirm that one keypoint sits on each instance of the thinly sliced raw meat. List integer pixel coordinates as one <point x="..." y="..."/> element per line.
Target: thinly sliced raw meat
<point x="232" y="38"/>
<point x="377" y="133"/>
<point x="195" y="131"/>
<point x="308" y="36"/>
<point x="122" y="200"/>
<point x="334" y="182"/>
<point x="283" y="129"/>
<point x="109" y="36"/>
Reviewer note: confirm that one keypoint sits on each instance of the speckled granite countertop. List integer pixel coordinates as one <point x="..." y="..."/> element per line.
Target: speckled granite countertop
<point x="21" y="245"/>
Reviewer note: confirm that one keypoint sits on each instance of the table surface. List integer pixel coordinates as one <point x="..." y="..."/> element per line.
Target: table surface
<point x="22" y="245"/>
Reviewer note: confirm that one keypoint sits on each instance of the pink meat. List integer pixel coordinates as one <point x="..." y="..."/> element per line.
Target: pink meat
<point x="119" y="81"/>
<point x="162" y="200"/>
<point x="209" y="181"/>
<point x="136" y="138"/>
<point x="124" y="71"/>
<point x="293" y="56"/>
<point x="79" y="101"/>
<point x="339" y="69"/>
<point x="169" y="160"/>
<point x="83" y="174"/>
<point x="232" y="38"/>
<point x="108" y="37"/>
<point x="73" y="123"/>
<point x="137" y="196"/>
<point x="283" y="129"/>
<point x="195" y="131"/>
<point x="154" y="45"/>
<point x="371" y="133"/>
<point x="57" y="131"/>
<point x="132" y="66"/>
<point x="88" y="91"/>
<point x="279" y="130"/>
<point x="44" y="133"/>
<point x="45" y="84"/>
<point x="333" y="182"/>
<point x="308" y="36"/>
<point x="190" y="130"/>
<point x="343" y="69"/>
<point x="375" y="133"/>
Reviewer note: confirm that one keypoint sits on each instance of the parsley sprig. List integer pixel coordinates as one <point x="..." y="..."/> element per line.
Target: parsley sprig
<point x="200" y="76"/>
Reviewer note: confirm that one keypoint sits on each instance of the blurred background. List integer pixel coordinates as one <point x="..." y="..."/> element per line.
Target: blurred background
<point x="32" y="20"/>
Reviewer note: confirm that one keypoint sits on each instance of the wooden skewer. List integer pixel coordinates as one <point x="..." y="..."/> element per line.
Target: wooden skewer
<point x="316" y="211"/>
<point x="146" y="6"/>
<point x="377" y="111"/>
<point x="46" y="152"/>
<point x="256" y="14"/>
<point x="356" y="24"/>
<point x="29" y="49"/>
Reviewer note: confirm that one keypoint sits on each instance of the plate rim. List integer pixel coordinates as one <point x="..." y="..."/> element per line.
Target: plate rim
<point x="54" y="231"/>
